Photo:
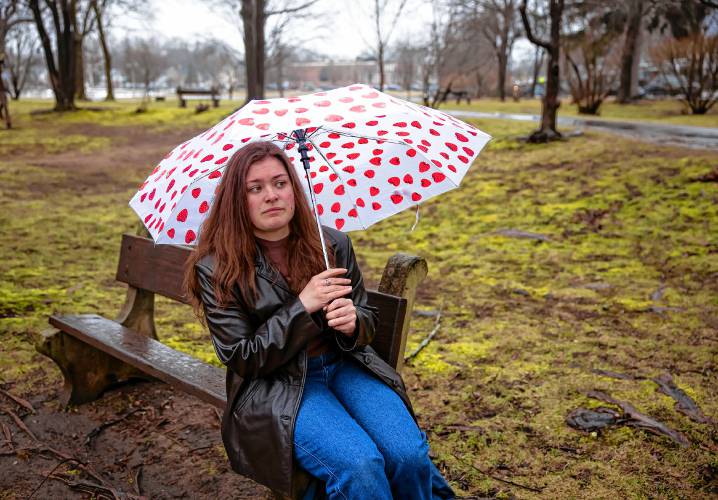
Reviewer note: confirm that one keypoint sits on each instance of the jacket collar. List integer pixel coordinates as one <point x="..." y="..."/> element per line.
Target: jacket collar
<point x="267" y="272"/>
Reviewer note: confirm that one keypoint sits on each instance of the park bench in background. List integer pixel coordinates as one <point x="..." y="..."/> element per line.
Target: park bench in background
<point x="213" y="93"/>
<point x="95" y="353"/>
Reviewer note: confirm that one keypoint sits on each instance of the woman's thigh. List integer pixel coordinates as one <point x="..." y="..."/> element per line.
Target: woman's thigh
<point x="328" y="442"/>
<point x="379" y="411"/>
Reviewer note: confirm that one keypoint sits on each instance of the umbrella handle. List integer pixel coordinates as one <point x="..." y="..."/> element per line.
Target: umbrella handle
<point x="301" y="137"/>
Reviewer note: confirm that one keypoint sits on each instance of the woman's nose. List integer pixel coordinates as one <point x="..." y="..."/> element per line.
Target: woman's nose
<point x="271" y="194"/>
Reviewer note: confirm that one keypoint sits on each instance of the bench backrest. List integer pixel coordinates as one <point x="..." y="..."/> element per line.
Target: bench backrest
<point x="182" y="91"/>
<point x="160" y="269"/>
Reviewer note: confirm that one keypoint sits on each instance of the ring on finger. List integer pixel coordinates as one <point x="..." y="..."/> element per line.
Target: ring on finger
<point x="327" y="282"/>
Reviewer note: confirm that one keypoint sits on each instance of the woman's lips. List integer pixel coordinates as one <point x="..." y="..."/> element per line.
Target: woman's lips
<point x="273" y="210"/>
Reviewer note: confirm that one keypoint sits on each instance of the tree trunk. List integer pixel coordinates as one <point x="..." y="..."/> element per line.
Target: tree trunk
<point x="630" y="45"/>
<point x="280" y="72"/>
<point x="62" y="76"/>
<point x="501" y="85"/>
<point x="538" y="62"/>
<point x="253" y="19"/>
<point x="110" y="95"/>
<point x="550" y="103"/>
<point x="4" y="108"/>
<point x="260" y="53"/>
<point x="79" y="69"/>
<point x="381" y="66"/>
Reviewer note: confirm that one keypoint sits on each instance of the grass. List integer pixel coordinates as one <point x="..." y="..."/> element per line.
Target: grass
<point x="523" y="321"/>
<point x="671" y="112"/>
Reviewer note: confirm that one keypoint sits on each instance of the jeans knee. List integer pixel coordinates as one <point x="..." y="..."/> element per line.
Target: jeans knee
<point x="367" y="467"/>
<point x="408" y="458"/>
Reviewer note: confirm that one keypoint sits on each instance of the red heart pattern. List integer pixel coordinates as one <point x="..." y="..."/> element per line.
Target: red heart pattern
<point x="372" y="147"/>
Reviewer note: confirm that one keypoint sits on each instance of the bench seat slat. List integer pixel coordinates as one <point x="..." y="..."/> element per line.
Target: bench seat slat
<point x="176" y="368"/>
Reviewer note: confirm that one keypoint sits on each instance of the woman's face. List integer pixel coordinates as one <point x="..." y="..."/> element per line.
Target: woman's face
<point x="270" y="199"/>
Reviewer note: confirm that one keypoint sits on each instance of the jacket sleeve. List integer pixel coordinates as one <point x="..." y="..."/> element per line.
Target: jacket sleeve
<point x="366" y="314"/>
<point x="252" y="351"/>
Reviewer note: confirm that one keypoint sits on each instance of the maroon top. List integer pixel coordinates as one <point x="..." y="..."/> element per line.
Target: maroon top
<point x="276" y="253"/>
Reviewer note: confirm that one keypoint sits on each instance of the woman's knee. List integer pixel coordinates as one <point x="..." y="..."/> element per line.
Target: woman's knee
<point x="407" y="453"/>
<point x="366" y="466"/>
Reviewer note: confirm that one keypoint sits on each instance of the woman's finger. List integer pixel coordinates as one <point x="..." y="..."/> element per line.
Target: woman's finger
<point x="342" y="321"/>
<point x="338" y="313"/>
<point x="338" y="303"/>
<point x="330" y="273"/>
<point x="345" y="290"/>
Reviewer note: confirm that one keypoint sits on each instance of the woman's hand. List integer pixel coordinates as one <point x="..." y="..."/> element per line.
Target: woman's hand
<point x="342" y="316"/>
<point x="323" y="288"/>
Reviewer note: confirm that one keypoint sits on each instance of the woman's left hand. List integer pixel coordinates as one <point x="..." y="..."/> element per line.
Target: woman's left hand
<point x="342" y="315"/>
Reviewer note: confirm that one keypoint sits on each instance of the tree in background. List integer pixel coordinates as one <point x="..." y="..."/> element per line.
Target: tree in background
<point x="144" y="61"/>
<point x="590" y="52"/>
<point x="634" y="11"/>
<point x="99" y="8"/>
<point x="408" y="59"/>
<point x="539" y="21"/>
<point x="383" y="30"/>
<point x="443" y="39"/>
<point x="22" y="58"/>
<point x="550" y="103"/>
<point x="60" y="62"/>
<point x="498" y="23"/>
<point x="254" y="15"/>
<point x="12" y="14"/>
<point x="85" y="24"/>
<point x="688" y="59"/>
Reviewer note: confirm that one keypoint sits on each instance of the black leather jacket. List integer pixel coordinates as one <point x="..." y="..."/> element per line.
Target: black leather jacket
<point x="264" y="350"/>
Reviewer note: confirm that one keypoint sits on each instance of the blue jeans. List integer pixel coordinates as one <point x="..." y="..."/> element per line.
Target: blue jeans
<point x="355" y="434"/>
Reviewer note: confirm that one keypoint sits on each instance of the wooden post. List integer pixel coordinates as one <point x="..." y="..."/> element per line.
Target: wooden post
<point x="138" y="311"/>
<point x="402" y="275"/>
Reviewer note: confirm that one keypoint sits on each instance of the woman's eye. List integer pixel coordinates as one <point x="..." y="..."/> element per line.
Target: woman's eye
<point x="281" y="183"/>
<point x="254" y="189"/>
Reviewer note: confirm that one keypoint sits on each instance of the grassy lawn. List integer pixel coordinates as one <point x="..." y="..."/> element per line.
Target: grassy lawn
<point x="625" y="280"/>
<point x="671" y="112"/>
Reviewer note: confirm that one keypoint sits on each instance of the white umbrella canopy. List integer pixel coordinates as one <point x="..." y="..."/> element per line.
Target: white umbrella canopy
<point x="371" y="155"/>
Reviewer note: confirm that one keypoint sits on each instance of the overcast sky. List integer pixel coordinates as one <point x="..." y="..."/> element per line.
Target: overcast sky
<point x="342" y="29"/>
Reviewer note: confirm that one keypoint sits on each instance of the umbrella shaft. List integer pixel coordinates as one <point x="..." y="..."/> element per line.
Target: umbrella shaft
<point x="300" y="136"/>
<point x="319" y="224"/>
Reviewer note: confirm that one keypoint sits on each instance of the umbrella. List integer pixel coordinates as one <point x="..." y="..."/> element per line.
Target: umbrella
<point x="367" y="155"/>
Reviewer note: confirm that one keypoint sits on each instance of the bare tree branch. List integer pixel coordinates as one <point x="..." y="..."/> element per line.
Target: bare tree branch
<point x="527" y="27"/>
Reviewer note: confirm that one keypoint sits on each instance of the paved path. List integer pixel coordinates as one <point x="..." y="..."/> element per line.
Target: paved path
<point x="677" y="135"/>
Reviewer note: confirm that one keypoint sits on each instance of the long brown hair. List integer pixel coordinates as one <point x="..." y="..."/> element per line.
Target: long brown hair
<point x="228" y="234"/>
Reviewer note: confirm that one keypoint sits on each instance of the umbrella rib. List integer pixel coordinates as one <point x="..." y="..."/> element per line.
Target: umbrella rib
<point x="339" y="176"/>
<point x="341" y="132"/>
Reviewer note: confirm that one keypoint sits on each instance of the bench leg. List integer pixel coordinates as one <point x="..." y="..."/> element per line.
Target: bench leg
<point x="88" y="372"/>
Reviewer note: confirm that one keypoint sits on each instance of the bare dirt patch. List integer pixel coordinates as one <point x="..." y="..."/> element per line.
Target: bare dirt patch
<point x="167" y="446"/>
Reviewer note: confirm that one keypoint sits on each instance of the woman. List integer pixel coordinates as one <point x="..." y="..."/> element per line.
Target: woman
<point x="303" y="386"/>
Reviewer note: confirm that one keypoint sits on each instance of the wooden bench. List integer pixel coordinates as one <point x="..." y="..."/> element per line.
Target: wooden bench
<point x="212" y="93"/>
